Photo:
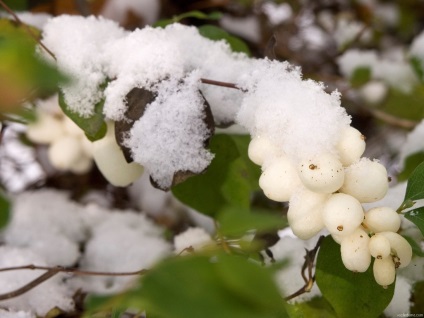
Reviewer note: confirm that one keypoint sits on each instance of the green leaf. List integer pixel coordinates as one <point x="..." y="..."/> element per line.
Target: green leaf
<point x="317" y="307"/>
<point x="405" y="105"/>
<point x="416" y="248"/>
<point x="416" y="216"/>
<point x="417" y="67"/>
<point x="230" y="179"/>
<point x="94" y="126"/>
<point x="360" y="76"/>
<point x="415" y="187"/>
<point x="16" y="5"/>
<point x="350" y="294"/>
<point x="215" y="33"/>
<point x="211" y="287"/>
<point x="4" y="210"/>
<point x="411" y="162"/>
<point x="191" y="14"/>
<point x="237" y="221"/>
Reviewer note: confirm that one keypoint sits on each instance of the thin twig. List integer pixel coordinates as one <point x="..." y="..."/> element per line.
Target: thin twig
<point x="393" y="120"/>
<point x="75" y="271"/>
<point x="34" y="36"/>
<point x="39" y="280"/>
<point x="218" y="83"/>
<point x="307" y="265"/>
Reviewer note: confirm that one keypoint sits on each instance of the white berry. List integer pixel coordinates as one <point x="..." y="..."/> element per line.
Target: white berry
<point x="111" y="161"/>
<point x="323" y="173"/>
<point x="305" y="213"/>
<point x="379" y="246"/>
<point x="400" y="247"/>
<point x="63" y="153"/>
<point x="45" y="130"/>
<point x="384" y="271"/>
<point x="351" y="146"/>
<point x="342" y="214"/>
<point x="260" y="149"/>
<point x="354" y="250"/>
<point x="279" y="180"/>
<point x="382" y="219"/>
<point x="366" y="180"/>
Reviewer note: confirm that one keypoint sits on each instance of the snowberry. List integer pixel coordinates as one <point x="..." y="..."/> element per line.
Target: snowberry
<point x="384" y="271"/>
<point x="323" y="174"/>
<point x="379" y="246"/>
<point x="355" y="252"/>
<point x="351" y="146"/>
<point x="71" y="128"/>
<point x="373" y="92"/>
<point x="260" y="149"/>
<point x="305" y="213"/>
<point x="279" y="179"/>
<point x="382" y="219"/>
<point x="45" y="130"/>
<point x="82" y="165"/>
<point x="64" y="152"/>
<point x="366" y="180"/>
<point x="400" y="247"/>
<point x="111" y="161"/>
<point x="342" y="214"/>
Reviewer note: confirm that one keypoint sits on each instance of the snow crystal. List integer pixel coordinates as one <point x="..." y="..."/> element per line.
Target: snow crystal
<point x="277" y="13"/>
<point x="78" y="44"/>
<point x="194" y="237"/>
<point x="178" y="110"/>
<point x="46" y="222"/>
<point x="52" y="293"/>
<point x="298" y="116"/>
<point x="119" y="10"/>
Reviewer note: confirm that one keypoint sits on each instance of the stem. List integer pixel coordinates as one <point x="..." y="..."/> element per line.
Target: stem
<point x="218" y="83"/>
<point x="307" y="266"/>
<point x="13" y="14"/>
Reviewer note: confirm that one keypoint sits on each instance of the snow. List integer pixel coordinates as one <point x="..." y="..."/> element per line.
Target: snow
<point x="413" y="143"/>
<point x="16" y="314"/>
<point x="246" y="27"/>
<point x="289" y="279"/>
<point x="277" y="13"/>
<point x="393" y="69"/>
<point x="400" y="302"/>
<point x="194" y="237"/>
<point x="47" y="229"/>
<point x="118" y="10"/>
<point x="178" y="110"/>
<point x="295" y="114"/>
<point x="51" y="293"/>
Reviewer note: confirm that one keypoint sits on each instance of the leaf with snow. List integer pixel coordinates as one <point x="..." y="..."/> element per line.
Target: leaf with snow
<point x="94" y="126"/>
<point x="416" y="216"/>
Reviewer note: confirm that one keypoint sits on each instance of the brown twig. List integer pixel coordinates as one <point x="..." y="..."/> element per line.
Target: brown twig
<point x="19" y="21"/>
<point x="32" y="284"/>
<point x="218" y="83"/>
<point x="307" y="265"/>
<point x="75" y="271"/>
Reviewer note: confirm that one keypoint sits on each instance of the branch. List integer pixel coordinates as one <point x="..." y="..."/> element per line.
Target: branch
<point x="218" y="83"/>
<point x="307" y="265"/>
<point x="19" y="21"/>
<point x="40" y="279"/>
<point x="75" y="271"/>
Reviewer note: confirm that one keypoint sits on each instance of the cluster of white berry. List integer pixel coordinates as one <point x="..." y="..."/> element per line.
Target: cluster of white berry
<point x="326" y="191"/>
<point x="69" y="149"/>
